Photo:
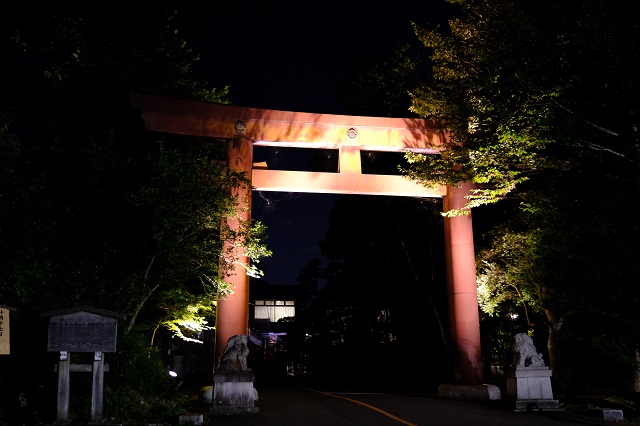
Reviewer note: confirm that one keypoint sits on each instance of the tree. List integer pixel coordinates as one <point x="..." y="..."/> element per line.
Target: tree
<point x="100" y="167"/>
<point x="565" y="266"/>
<point x="525" y="87"/>
<point x="541" y="101"/>
<point x="185" y="203"/>
<point x="95" y="210"/>
<point x="383" y="286"/>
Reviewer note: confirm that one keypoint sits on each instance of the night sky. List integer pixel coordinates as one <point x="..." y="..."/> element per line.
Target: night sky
<point x="290" y="55"/>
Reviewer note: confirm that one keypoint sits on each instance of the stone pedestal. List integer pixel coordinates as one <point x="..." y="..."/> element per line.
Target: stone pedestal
<point x="530" y="387"/>
<point x="233" y="393"/>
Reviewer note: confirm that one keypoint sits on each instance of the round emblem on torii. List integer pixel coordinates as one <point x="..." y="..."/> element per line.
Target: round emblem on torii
<point x="352" y="133"/>
<point x="240" y="126"/>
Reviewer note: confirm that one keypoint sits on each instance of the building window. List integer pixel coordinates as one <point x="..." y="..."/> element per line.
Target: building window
<point x="274" y="310"/>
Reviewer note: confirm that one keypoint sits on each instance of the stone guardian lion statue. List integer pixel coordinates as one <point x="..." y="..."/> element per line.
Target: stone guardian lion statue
<point x="237" y="350"/>
<point x="525" y="353"/>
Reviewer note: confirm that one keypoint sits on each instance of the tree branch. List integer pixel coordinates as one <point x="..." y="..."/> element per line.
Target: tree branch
<point x="138" y="308"/>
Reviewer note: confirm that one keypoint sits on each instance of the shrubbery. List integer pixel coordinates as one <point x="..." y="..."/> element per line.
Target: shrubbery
<point x="138" y="388"/>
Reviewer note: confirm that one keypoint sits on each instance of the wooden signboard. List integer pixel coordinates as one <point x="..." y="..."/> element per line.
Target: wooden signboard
<point x="82" y="329"/>
<point x="5" y="342"/>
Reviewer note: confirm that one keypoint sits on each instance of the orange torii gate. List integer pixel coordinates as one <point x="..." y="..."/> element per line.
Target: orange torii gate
<point x="244" y="128"/>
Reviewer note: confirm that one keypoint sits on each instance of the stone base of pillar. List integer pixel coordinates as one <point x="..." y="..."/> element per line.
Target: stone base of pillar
<point x="233" y="393"/>
<point x="480" y="392"/>
<point x="530" y="387"/>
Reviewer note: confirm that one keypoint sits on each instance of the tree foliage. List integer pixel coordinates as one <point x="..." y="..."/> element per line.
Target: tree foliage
<point x="525" y="87"/>
<point x="94" y="209"/>
<point x="185" y="202"/>
<point x="541" y="100"/>
<point x="118" y="210"/>
<point x="382" y="286"/>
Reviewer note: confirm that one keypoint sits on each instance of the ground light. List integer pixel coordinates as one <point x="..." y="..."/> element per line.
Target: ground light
<point x="174" y="374"/>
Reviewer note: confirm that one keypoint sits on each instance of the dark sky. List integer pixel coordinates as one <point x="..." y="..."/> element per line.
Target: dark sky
<point x="291" y="55"/>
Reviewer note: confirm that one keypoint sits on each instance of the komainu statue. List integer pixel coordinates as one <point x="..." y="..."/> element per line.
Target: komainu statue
<point x="237" y="350"/>
<point x="525" y="353"/>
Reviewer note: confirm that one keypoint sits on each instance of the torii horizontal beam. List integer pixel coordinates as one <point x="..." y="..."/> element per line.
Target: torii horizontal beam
<point x="341" y="183"/>
<point x="348" y="134"/>
<point x="287" y="128"/>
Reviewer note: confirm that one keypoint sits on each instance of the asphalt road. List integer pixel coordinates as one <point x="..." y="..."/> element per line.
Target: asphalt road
<point x="294" y="405"/>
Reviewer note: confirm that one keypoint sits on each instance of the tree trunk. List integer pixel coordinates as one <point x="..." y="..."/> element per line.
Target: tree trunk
<point x="553" y="326"/>
<point x="443" y="330"/>
<point x="134" y="315"/>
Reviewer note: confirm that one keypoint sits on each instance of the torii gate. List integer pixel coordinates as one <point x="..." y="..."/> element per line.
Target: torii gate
<point x="244" y="128"/>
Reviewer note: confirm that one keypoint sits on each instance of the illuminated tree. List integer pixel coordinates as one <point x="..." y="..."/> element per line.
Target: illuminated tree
<point x="186" y="201"/>
<point x="126" y="214"/>
<point x="95" y="210"/>
<point x="542" y="99"/>
<point x="527" y="86"/>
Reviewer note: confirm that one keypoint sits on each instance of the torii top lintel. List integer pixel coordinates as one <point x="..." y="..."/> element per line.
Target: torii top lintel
<point x="288" y="128"/>
<point x="348" y="134"/>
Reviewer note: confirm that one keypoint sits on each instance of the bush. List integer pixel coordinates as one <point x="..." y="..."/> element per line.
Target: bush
<point x="138" y="388"/>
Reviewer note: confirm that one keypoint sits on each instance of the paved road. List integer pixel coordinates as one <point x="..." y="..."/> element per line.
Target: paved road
<point x="293" y="405"/>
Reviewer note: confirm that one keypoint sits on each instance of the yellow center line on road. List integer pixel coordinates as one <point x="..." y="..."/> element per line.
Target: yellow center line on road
<point x="391" y="416"/>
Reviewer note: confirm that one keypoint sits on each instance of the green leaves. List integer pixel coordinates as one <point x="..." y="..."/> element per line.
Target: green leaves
<point x="99" y="212"/>
<point x="188" y="314"/>
<point x="541" y="98"/>
<point x="187" y="198"/>
<point x="482" y="88"/>
<point x="96" y="211"/>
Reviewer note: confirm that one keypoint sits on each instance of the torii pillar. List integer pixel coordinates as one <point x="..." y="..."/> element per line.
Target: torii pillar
<point x="461" y="289"/>
<point x="232" y="314"/>
<point x="466" y="357"/>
